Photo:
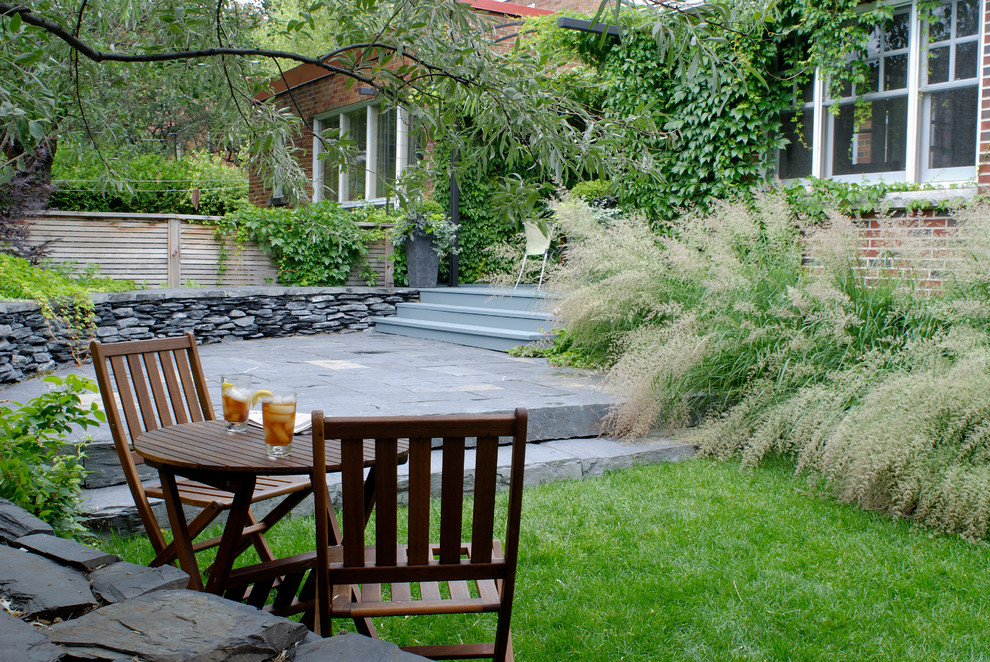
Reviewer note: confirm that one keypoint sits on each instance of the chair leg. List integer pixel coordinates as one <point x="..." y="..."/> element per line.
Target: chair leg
<point x="521" y="268"/>
<point x="168" y="553"/>
<point x="258" y="539"/>
<point x="543" y="269"/>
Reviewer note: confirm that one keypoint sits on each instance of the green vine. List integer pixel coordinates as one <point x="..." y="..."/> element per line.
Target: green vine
<point x="721" y="139"/>
<point x="316" y="245"/>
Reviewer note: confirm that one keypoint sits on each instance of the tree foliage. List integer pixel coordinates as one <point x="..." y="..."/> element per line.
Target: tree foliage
<point x="71" y="66"/>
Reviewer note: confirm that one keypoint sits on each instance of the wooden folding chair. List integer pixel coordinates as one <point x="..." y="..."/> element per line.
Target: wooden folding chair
<point x="425" y="574"/>
<point x="161" y="383"/>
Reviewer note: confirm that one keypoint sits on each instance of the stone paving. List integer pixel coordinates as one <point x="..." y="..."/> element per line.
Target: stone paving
<point x="369" y="373"/>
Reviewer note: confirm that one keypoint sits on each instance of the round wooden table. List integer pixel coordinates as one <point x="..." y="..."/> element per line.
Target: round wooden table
<point x="233" y="461"/>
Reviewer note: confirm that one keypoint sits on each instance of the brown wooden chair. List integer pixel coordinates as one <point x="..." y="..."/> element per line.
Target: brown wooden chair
<point x="161" y="383"/>
<point x="424" y="574"/>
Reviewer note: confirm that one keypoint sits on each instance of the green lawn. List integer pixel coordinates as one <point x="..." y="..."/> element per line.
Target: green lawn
<point x="702" y="561"/>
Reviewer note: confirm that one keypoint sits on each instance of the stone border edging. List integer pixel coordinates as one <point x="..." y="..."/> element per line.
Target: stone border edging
<point x="31" y="344"/>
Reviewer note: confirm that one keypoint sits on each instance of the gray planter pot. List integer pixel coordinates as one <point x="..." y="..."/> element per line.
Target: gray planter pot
<point x="422" y="262"/>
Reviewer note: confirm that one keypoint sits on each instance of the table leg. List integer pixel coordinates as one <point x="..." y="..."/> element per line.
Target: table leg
<point x="233" y="532"/>
<point x="180" y="529"/>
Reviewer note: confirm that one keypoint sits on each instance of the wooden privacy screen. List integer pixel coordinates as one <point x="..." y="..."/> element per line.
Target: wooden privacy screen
<point x="162" y="250"/>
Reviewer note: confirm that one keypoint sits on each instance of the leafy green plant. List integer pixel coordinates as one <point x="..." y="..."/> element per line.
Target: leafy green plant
<point x="39" y="470"/>
<point x="316" y="245"/>
<point x="431" y="219"/>
<point x="149" y="183"/>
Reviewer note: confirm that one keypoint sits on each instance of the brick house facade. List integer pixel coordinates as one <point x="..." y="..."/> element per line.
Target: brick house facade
<point x="321" y="98"/>
<point x="930" y="100"/>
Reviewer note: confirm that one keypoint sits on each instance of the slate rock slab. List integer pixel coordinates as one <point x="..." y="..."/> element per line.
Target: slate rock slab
<point x="42" y="589"/>
<point x="67" y="552"/>
<point x="352" y="647"/>
<point x="168" y="626"/>
<point x="15" y="522"/>
<point x="25" y="643"/>
<point x="128" y="580"/>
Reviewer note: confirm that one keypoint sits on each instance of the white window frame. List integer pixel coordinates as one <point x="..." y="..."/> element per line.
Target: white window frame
<point x="371" y="195"/>
<point x="918" y="114"/>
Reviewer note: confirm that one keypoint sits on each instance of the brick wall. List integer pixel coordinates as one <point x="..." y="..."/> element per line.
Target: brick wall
<point x="924" y="238"/>
<point x="585" y="6"/>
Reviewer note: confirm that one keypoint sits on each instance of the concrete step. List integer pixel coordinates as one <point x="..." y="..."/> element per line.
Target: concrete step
<point x="460" y="334"/>
<point x="483" y="296"/>
<point x="502" y="318"/>
<point x="563" y="459"/>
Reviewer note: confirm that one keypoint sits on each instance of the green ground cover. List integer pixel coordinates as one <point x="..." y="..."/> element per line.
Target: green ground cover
<point x="703" y="561"/>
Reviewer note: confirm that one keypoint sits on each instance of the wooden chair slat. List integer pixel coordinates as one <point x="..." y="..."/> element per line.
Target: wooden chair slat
<point x="176" y="396"/>
<point x="157" y="389"/>
<point x="127" y="401"/>
<point x="452" y="500"/>
<point x="485" y="474"/>
<point x="430" y="591"/>
<point x="488" y="592"/>
<point x="352" y="494"/>
<point x="401" y="591"/>
<point x="371" y="593"/>
<point x="386" y="500"/>
<point x="419" y="501"/>
<point x="189" y="387"/>
<point x="459" y="590"/>
<point x="143" y="397"/>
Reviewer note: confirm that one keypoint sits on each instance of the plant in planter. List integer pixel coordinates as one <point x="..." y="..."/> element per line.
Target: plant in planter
<point x="427" y="236"/>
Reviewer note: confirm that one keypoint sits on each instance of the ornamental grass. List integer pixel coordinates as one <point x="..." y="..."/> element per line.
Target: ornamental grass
<point x="781" y="338"/>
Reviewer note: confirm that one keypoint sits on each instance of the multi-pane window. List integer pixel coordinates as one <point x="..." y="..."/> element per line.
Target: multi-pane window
<point x="384" y="147"/>
<point x="920" y="96"/>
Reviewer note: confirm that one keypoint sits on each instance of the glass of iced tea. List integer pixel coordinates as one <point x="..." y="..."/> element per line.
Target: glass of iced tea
<point x="278" y="414"/>
<point x="236" y="395"/>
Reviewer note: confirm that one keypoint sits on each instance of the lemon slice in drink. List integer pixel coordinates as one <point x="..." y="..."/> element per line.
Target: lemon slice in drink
<point x="261" y="394"/>
<point x="225" y="385"/>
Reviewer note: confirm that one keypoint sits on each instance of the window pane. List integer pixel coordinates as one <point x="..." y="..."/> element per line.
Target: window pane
<point x="872" y="78"/>
<point x="877" y="145"/>
<point x="415" y="145"/>
<point x="795" y="158"/>
<point x="898" y="33"/>
<point x="952" y="128"/>
<point x="966" y="60"/>
<point x="895" y="72"/>
<point x="938" y="65"/>
<point x="940" y="27"/>
<point x="967" y="18"/>
<point x="330" y="171"/>
<point x="359" y="134"/>
<point x="387" y="126"/>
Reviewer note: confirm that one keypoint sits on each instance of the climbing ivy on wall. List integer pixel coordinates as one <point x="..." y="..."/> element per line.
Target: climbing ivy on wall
<point x="721" y="135"/>
<point x="482" y="225"/>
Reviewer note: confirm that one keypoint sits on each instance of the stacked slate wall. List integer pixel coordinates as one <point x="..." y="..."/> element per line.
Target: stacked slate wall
<point x="30" y="343"/>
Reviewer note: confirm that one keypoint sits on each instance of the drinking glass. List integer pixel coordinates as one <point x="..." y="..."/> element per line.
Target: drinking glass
<point x="236" y="395"/>
<point x="278" y="414"/>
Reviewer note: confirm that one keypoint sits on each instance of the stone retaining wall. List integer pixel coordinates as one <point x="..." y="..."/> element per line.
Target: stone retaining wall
<point x="30" y="343"/>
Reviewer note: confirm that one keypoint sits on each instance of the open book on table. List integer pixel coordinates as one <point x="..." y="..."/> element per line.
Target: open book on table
<point x="303" y="421"/>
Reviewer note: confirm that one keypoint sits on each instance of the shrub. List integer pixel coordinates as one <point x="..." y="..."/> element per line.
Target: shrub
<point x="151" y="184"/>
<point x="317" y="245"/>
<point x="39" y="470"/>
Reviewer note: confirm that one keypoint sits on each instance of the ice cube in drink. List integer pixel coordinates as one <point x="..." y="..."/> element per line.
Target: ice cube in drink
<point x="236" y="397"/>
<point x="278" y="414"/>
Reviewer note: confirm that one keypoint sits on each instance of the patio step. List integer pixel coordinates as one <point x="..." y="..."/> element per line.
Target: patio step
<point x="477" y="316"/>
<point x="111" y="508"/>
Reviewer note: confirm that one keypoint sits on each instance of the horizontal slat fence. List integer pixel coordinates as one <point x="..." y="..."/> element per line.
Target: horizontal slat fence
<point x="161" y="250"/>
